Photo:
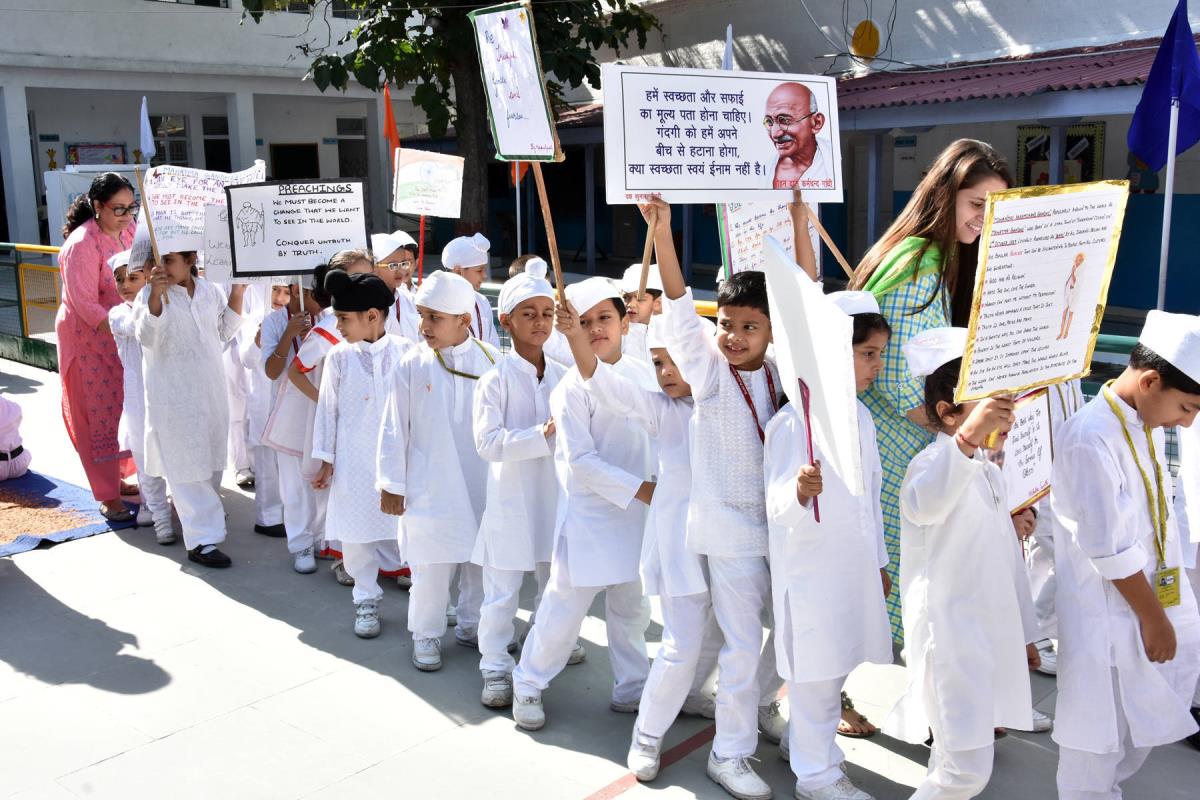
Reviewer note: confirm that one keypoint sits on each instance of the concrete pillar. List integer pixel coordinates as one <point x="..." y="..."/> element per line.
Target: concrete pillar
<point x="242" y="137"/>
<point x="589" y="188"/>
<point x="16" y="156"/>
<point x="195" y="123"/>
<point x="379" y="170"/>
<point x="875" y="188"/>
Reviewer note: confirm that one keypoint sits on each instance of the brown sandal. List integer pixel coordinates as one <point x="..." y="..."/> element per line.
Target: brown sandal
<point x="847" y="728"/>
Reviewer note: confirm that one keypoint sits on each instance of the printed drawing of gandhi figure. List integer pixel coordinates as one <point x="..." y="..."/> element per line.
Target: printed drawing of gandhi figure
<point x="793" y="119"/>
<point x="1070" y="289"/>
<point x="249" y="221"/>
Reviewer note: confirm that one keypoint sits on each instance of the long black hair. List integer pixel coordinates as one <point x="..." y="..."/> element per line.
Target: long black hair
<point x="103" y="187"/>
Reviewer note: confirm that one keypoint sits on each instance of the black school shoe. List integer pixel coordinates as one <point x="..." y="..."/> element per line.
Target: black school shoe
<point x="212" y="558"/>
<point x="1194" y="739"/>
<point x="274" y="531"/>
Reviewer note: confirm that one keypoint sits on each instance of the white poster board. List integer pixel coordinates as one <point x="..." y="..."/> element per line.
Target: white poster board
<point x="427" y="184"/>
<point x="699" y="136"/>
<point x="1046" y="257"/>
<point x="176" y="198"/>
<point x="518" y="105"/>
<point x="217" y="256"/>
<point x="813" y="343"/>
<point x="64" y="185"/>
<point x="290" y="227"/>
<point x="743" y="227"/>
<point x="1027" y="458"/>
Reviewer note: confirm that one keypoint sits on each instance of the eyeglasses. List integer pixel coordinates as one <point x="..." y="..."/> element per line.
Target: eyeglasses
<point x="121" y="211"/>
<point x="785" y="120"/>
<point x="396" y="266"/>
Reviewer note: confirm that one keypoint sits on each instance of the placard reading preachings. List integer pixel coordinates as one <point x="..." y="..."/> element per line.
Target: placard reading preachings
<point x="288" y="228"/>
<point x="1046" y="257"/>
<point x="714" y="136"/>
<point x="518" y="105"/>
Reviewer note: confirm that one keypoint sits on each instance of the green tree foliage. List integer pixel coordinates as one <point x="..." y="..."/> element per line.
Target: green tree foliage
<point x="432" y="49"/>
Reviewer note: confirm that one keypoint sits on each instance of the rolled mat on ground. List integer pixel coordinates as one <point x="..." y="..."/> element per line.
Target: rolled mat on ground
<point x="37" y="508"/>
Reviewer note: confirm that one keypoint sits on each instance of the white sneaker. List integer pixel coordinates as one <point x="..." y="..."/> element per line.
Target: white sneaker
<point x="144" y="518"/>
<point x="404" y="582"/>
<point x="1041" y="722"/>
<point x="1049" y="656"/>
<point x="244" y="478"/>
<point x="528" y="712"/>
<point x="340" y="575"/>
<point x="366" y="619"/>
<point x="305" y="562"/>
<point x="736" y="776"/>
<point x="497" y="690"/>
<point x="427" y="654"/>
<point x="467" y="637"/>
<point x="644" y="756"/>
<point x="164" y="532"/>
<point x="700" y="705"/>
<point x="451" y="616"/>
<point x="578" y="655"/>
<point x="772" y="722"/>
<point x="843" y="789"/>
<point x="624" y="708"/>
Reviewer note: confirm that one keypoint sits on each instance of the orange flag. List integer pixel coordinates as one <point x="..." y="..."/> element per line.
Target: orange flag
<point x="390" y="131"/>
<point x="519" y="168"/>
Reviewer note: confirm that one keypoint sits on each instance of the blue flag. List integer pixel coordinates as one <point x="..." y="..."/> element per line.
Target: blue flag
<point x="1175" y="74"/>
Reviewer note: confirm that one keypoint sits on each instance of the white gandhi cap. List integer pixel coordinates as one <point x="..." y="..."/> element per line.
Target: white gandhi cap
<point x="931" y="349"/>
<point x="1175" y="337"/>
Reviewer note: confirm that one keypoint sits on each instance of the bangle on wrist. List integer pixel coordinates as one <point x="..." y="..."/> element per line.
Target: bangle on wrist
<point x="964" y="440"/>
<point x="277" y="355"/>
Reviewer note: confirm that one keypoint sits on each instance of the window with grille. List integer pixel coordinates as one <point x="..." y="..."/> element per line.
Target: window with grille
<point x="170" y="140"/>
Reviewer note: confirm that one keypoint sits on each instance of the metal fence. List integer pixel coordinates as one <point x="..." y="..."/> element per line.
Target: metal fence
<point x="30" y="292"/>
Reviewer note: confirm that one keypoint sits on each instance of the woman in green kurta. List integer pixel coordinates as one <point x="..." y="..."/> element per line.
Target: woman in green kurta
<point x="922" y="273"/>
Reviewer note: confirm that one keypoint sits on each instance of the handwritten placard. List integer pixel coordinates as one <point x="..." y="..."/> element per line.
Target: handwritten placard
<point x="1046" y="257"/>
<point x="813" y="344"/>
<point x="428" y="184"/>
<point x="177" y="197"/>
<point x="288" y="228"/>
<point x="518" y="105"/>
<point x="217" y="256"/>
<point x="1028" y="454"/>
<point x="742" y="227"/>
<point x="713" y="136"/>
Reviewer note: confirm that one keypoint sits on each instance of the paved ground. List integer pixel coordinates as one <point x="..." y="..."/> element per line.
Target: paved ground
<point x="126" y="672"/>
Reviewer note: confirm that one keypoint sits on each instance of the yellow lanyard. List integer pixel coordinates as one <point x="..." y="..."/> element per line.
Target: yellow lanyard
<point x="1157" y="503"/>
<point x="466" y="375"/>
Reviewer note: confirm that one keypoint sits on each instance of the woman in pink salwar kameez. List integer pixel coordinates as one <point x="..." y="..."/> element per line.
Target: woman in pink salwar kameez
<point x="98" y="226"/>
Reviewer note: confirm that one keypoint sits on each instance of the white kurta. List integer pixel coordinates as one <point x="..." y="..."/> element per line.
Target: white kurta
<point x="187" y="412"/>
<point x="667" y="566"/>
<point x="426" y="452"/>
<point x="726" y="518"/>
<point x="483" y="324"/>
<point x="263" y="390"/>
<point x="354" y="385"/>
<point x="968" y="611"/>
<point x="633" y="343"/>
<point x="131" y="432"/>
<point x="403" y="319"/>
<point x="601" y="462"/>
<point x="511" y="405"/>
<point x="1101" y="503"/>
<point x="828" y="594"/>
<point x="290" y="426"/>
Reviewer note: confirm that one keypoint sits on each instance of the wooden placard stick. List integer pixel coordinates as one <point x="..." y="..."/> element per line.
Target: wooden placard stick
<point x="137" y="173"/>
<point x="647" y="252"/>
<point x="551" y="239"/>
<point x="833" y="248"/>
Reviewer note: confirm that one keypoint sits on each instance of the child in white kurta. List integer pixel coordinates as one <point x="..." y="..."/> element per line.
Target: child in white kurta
<point x="690" y="638"/>
<point x="828" y="578"/>
<point x="1129" y="634"/>
<point x="968" y="612"/>
<point x="131" y="433"/>
<point x="514" y="433"/>
<point x="468" y="257"/>
<point x="640" y="311"/>
<point x="183" y="324"/>
<point x="354" y="386"/>
<point x="737" y="391"/>
<point x="602" y="464"/>
<point x="429" y="469"/>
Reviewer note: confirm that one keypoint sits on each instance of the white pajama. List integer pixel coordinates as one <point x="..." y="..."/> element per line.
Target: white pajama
<point x="955" y="774"/>
<point x="430" y="594"/>
<point x="470" y="598"/>
<point x="153" y="490"/>
<point x="299" y="503"/>
<point x="201" y="514"/>
<point x="741" y="589"/>
<point x="268" y="504"/>
<point x="769" y="682"/>
<point x="688" y="631"/>
<point x="364" y="560"/>
<point x="502" y="593"/>
<point x="1098" y="776"/>
<point x="562" y="611"/>
<point x="816" y="709"/>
